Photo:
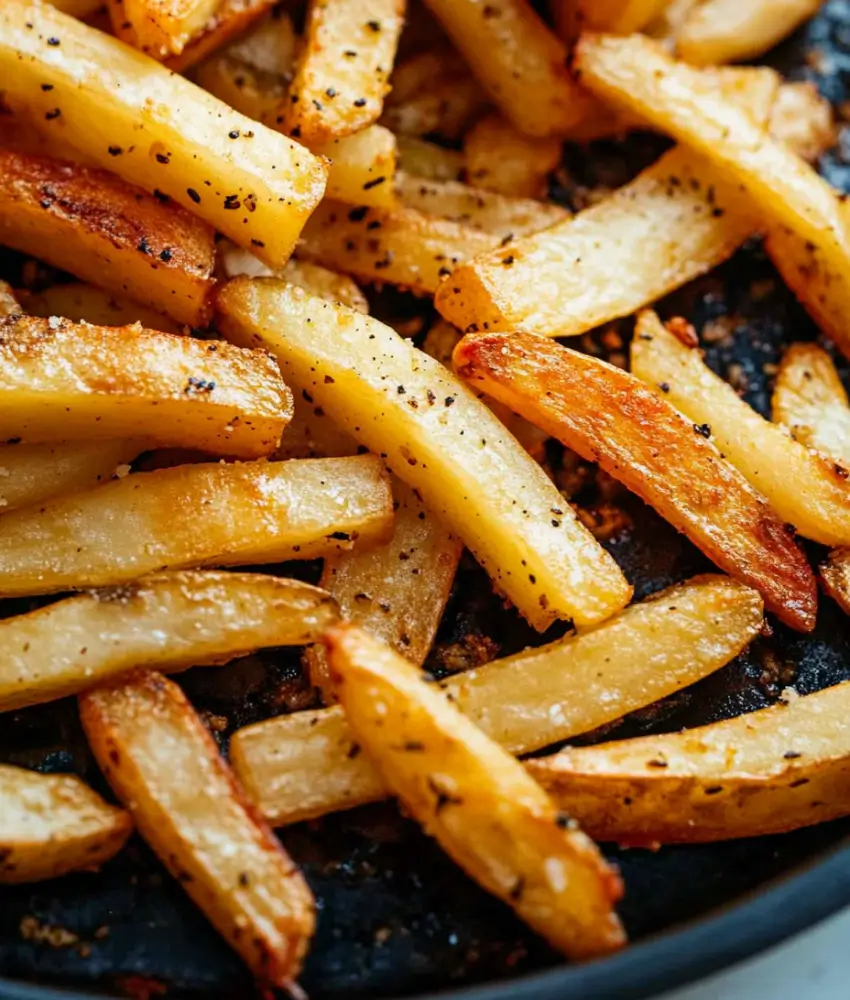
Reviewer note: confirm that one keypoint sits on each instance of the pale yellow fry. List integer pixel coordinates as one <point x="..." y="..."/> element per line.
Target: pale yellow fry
<point x="195" y="515"/>
<point x="440" y="439"/>
<point x="52" y="824"/>
<point x="804" y="488"/>
<point x="88" y="303"/>
<point x="300" y="766"/>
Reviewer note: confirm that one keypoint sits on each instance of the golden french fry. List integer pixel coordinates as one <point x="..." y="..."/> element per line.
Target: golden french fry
<point x="169" y="135"/>
<point x="835" y="575"/>
<point x="169" y="622"/>
<point x="88" y="303"/>
<point x="498" y="157"/>
<point x="52" y="824"/>
<point x="427" y="160"/>
<point x="804" y="488"/>
<point x="160" y="27"/>
<point x="397" y="591"/>
<point x="102" y="229"/>
<point x="61" y="380"/>
<point x="301" y="765"/>
<point x="803" y="119"/>
<point x="765" y="772"/>
<point x="195" y="515"/>
<point x="162" y="762"/>
<point x="479" y="804"/>
<point x="230" y="20"/>
<point x="441" y="440"/>
<point x="602" y="413"/>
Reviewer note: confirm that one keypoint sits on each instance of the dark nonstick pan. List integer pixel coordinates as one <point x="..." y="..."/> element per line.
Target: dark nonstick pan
<point x="396" y="918"/>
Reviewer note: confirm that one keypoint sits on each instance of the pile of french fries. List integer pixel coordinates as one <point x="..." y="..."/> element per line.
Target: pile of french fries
<point x="209" y="182"/>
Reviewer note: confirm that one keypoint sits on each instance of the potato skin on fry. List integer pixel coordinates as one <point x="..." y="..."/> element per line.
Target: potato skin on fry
<point x="475" y="798"/>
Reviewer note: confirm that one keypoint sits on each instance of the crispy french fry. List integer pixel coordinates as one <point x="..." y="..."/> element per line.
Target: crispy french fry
<point x="167" y="622"/>
<point x="362" y="167"/>
<point x="721" y="31"/>
<point x="396" y="592"/>
<point x="88" y="303"/>
<point x="427" y="160"/>
<point x="231" y="19"/>
<point x="342" y="72"/>
<point x="804" y="488"/>
<point x="32" y="473"/>
<point x="400" y="246"/>
<point x="300" y="766"/>
<point x="173" y="138"/>
<point x="765" y="772"/>
<point x="497" y="157"/>
<point x="479" y="804"/>
<point x="519" y="62"/>
<point x="602" y="413"/>
<point x="803" y="119"/>
<point x="52" y="824"/>
<point x="102" y="229"/>
<point x="195" y="515"/>
<point x="162" y="762"/>
<point x="835" y="575"/>
<point x="61" y="380"/>
<point x="620" y="17"/>
<point x="440" y="439"/>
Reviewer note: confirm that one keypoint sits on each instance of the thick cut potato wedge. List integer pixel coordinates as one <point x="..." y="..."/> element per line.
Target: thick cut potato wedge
<point x="230" y="19"/>
<point x="428" y="161"/>
<point x="803" y="119"/>
<point x="396" y="592"/>
<point x="300" y="766"/>
<point x="765" y="772"/>
<point x="90" y="304"/>
<point x="607" y="416"/>
<point x="195" y="515"/>
<point x="478" y="802"/>
<point x="52" y="824"/>
<point x="835" y="575"/>
<point x="168" y="622"/>
<point x="61" y="380"/>
<point x="102" y="229"/>
<point x="441" y="440"/>
<point x="518" y="60"/>
<point x="474" y="207"/>
<point x="160" y="27"/>
<point x="361" y="167"/>
<point x="252" y="184"/>
<point x="344" y="67"/>
<point x="497" y="157"/>
<point x="162" y="762"/>
<point x="32" y="473"/>
<point x="400" y="246"/>
<point x="721" y="31"/>
<point x="804" y="488"/>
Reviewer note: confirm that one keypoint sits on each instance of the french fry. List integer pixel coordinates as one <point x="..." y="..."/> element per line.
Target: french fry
<point x="835" y="575"/>
<point x="427" y="160"/>
<point x="803" y="119"/>
<point x="441" y="440"/>
<point x="400" y="246"/>
<point x="162" y="762"/>
<point x="396" y="592"/>
<point x="195" y="515"/>
<point x="102" y="229"/>
<point x="804" y="488"/>
<point x="343" y="69"/>
<point x="519" y="62"/>
<point x="173" y="138"/>
<point x="497" y="157"/>
<point x="52" y="824"/>
<point x="88" y="303"/>
<point x="301" y="765"/>
<point x="167" y="622"/>
<point x="602" y="413"/>
<point x="61" y="380"/>
<point x="721" y="31"/>
<point x="230" y="20"/>
<point x="362" y="167"/>
<point x="160" y="27"/>
<point x="764" y="772"/>
<point x="32" y="473"/>
<point x="620" y="17"/>
<point x="479" y="804"/>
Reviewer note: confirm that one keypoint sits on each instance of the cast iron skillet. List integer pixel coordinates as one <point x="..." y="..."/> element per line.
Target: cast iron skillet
<point x="395" y="917"/>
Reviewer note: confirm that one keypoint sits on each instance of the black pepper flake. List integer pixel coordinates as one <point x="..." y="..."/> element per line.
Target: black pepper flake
<point x="401" y="390"/>
<point x="791" y="754"/>
<point x="330" y="92"/>
<point x="703" y="429"/>
<point x="50" y="115"/>
<point x="257" y="243"/>
<point x="143" y="246"/>
<point x="193" y="194"/>
<point x="507" y="261"/>
<point x="231" y="202"/>
<point x="115" y="150"/>
<point x="163" y="157"/>
<point x="233" y="134"/>
<point x="413" y="746"/>
<point x="358" y="214"/>
<point x="564" y="821"/>
<point x="47" y="87"/>
<point x="340" y="536"/>
<point x="160" y="196"/>
<point x="664" y="386"/>
<point x="373" y="183"/>
<point x="53" y="41"/>
<point x="373" y="25"/>
<point x="165" y="255"/>
<point x="353" y="751"/>
<point x="360" y="102"/>
<point x="449" y="400"/>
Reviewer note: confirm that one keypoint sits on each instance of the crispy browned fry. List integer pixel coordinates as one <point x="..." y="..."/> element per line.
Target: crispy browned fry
<point x="441" y="440"/>
<point x="427" y="160"/>
<point x="396" y="591"/>
<point x="299" y="766"/>
<point x="471" y="795"/>
<point x="162" y="762"/>
<point x="100" y="228"/>
<point x="61" y="380"/>
<point x="160" y="27"/>
<point x="519" y="62"/>
<point x="254" y="185"/>
<point x="604" y="414"/>
<point x="497" y="157"/>
<point x="229" y="20"/>
<point x="195" y="515"/>
<point x="769" y="771"/>
<point x="835" y="575"/>
<point x="803" y="119"/>
<point x="52" y="824"/>
<point x="400" y="246"/>
<point x="169" y="621"/>
<point x="88" y="303"/>
<point x="342" y="72"/>
<point x="804" y="488"/>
